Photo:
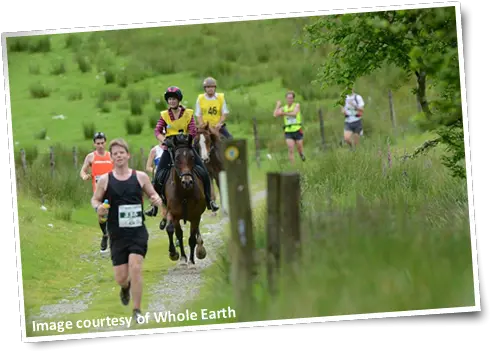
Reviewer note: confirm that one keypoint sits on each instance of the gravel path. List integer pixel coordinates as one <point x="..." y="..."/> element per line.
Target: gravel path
<point x="178" y="286"/>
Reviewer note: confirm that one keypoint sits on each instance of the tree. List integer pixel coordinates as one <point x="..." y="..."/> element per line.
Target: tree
<point x="422" y="42"/>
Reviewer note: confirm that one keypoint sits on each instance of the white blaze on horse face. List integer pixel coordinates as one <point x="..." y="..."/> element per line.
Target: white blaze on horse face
<point x="204" y="151"/>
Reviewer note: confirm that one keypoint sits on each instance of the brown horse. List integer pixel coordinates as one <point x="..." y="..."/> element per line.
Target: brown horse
<point x="185" y="200"/>
<point x="209" y="140"/>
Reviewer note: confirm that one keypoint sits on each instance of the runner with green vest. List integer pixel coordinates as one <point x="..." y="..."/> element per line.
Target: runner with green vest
<point x="293" y="122"/>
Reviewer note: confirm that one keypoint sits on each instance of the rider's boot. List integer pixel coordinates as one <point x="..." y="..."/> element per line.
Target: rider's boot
<point x="211" y="205"/>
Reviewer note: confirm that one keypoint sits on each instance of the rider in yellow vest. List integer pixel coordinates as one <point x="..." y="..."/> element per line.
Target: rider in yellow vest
<point x="177" y="118"/>
<point x="211" y="107"/>
<point x="293" y="121"/>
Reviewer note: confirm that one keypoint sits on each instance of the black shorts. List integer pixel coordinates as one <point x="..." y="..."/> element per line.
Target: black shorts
<point x="298" y="135"/>
<point x="121" y="247"/>
<point x="354" y="127"/>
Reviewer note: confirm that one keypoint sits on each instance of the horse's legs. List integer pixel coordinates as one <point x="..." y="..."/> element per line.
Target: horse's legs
<point x="200" y="251"/>
<point x="192" y="239"/>
<point x="173" y="254"/>
<point x="180" y="234"/>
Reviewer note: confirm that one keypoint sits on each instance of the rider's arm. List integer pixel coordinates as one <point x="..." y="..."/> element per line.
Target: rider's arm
<point x="86" y="164"/>
<point x="224" y="112"/>
<point x="149" y="163"/>
<point x="160" y="130"/>
<point x="100" y="188"/>
<point x="197" y="112"/>
<point x="293" y="113"/>
<point x="192" y="129"/>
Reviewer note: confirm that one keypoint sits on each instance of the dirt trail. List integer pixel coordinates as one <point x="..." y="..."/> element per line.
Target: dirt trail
<point x="179" y="285"/>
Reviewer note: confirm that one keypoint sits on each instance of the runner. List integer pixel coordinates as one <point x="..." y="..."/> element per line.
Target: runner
<point x="293" y="121"/>
<point x="156" y="153"/>
<point x="353" y="111"/>
<point x="124" y="188"/>
<point x="173" y="121"/>
<point x="211" y="107"/>
<point x="101" y="163"/>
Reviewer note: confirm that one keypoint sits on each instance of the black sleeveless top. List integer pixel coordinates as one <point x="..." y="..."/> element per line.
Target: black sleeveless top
<point x="126" y="217"/>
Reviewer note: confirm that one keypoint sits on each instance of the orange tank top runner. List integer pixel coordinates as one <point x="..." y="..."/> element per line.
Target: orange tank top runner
<point x="100" y="166"/>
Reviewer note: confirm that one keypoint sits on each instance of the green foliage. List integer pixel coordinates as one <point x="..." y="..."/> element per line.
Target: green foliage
<point x="88" y="130"/>
<point x="34" y="68"/>
<point x="58" y="67"/>
<point x="133" y="126"/>
<point x="422" y="42"/>
<point x="75" y="95"/>
<point x="39" y="90"/>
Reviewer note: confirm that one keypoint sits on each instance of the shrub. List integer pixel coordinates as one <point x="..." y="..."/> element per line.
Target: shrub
<point x="137" y="99"/>
<point x="133" y="126"/>
<point x="58" y="67"/>
<point x="34" y="68"/>
<point x="88" y="130"/>
<point x="41" y="135"/>
<point x="39" y="90"/>
<point x="40" y="44"/>
<point x="83" y="62"/>
<point x="75" y="95"/>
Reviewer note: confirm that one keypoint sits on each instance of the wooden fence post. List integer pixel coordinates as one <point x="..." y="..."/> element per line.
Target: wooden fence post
<point x="23" y="159"/>
<point x="51" y="160"/>
<point x="290" y="228"/>
<point x="240" y="213"/>
<point x="223" y="196"/>
<point x="273" y="230"/>
<point x="257" y="145"/>
<point x="75" y="157"/>
<point x="392" y="109"/>
<point x="322" y="129"/>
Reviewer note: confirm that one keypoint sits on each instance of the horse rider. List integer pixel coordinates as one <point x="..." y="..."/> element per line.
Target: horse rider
<point x="293" y="121"/>
<point x="211" y="107"/>
<point x="172" y="122"/>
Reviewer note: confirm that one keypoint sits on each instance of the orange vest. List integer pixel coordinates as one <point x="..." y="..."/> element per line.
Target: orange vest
<point x="100" y="165"/>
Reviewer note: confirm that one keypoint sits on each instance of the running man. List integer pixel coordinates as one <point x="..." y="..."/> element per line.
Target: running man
<point x="124" y="188"/>
<point x="293" y="122"/>
<point x="101" y="163"/>
<point x="211" y="107"/>
<point x="156" y="153"/>
<point x="173" y="121"/>
<point x="353" y="111"/>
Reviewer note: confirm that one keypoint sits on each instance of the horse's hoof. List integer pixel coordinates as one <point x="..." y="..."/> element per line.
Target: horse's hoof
<point x="201" y="252"/>
<point x="174" y="256"/>
<point x="183" y="261"/>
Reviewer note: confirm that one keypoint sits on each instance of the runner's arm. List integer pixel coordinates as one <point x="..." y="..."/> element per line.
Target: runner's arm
<point x="86" y="164"/>
<point x="97" y="198"/>
<point x="160" y="130"/>
<point x="148" y="188"/>
<point x="278" y="111"/>
<point x="293" y="113"/>
<point x="151" y="157"/>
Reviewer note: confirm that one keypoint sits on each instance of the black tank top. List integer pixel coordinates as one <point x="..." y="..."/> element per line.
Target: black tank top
<point x="126" y="217"/>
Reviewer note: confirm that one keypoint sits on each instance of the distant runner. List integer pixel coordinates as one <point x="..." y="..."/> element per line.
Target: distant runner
<point x="124" y="188"/>
<point x="293" y="122"/>
<point x="353" y="111"/>
<point x="101" y="163"/>
<point x="211" y="107"/>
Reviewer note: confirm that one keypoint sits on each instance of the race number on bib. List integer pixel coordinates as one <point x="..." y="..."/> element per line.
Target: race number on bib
<point x="291" y="120"/>
<point x="130" y="216"/>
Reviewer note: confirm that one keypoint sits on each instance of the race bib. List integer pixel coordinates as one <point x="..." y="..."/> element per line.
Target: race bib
<point x="97" y="178"/>
<point x="291" y="120"/>
<point x="130" y="216"/>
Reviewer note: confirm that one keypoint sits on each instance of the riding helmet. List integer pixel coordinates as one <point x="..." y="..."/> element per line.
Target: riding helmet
<point x="173" y="92"/>
<point x="209" y="82"/>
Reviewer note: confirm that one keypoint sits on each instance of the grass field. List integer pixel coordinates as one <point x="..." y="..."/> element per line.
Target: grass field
<point x="378" y="235"/>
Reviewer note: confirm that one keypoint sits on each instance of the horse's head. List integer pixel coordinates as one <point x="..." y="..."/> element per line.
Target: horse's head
<point x="184" y="159"/>
<point x="208" y="138"/>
